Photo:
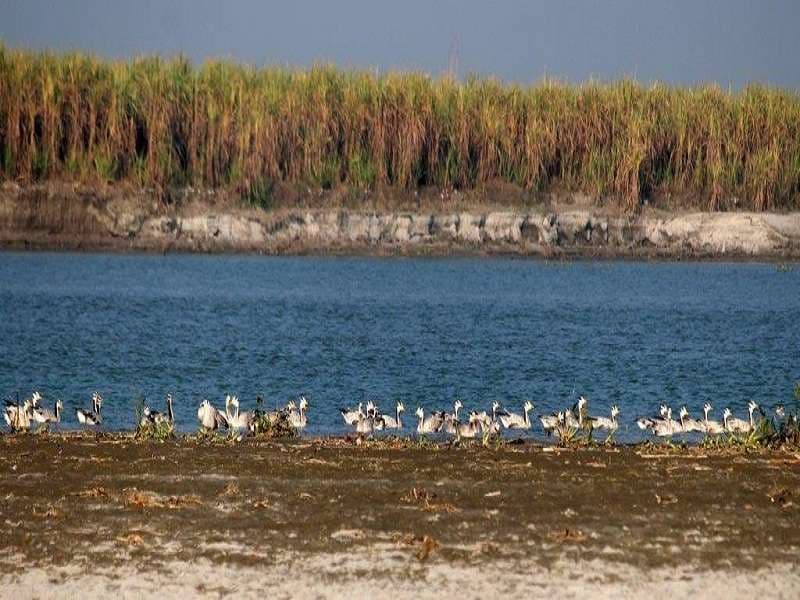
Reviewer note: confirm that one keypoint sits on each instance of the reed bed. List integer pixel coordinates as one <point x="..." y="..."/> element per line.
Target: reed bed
<point x="165" y="123"/>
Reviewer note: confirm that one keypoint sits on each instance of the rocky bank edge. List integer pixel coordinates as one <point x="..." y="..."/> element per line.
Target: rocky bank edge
<point x="87" y="221"/>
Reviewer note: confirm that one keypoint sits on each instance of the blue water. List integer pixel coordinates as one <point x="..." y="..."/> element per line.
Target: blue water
<point x="426" y="331"/>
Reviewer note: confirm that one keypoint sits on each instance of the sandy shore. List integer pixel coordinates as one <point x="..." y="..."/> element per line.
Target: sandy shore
<point x="326" y="518"/>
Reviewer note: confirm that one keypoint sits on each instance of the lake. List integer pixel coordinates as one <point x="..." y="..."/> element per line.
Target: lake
<point x="426" y="331"/>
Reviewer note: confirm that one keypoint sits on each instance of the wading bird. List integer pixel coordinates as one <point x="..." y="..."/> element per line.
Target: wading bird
<point x="711" y="427"/>
<point x="515" y="421"/>
<point x="351" y="415"/>
<point x="431" y="424"/>
<point x="390" y="422"/>
<point x="297" y="415"/>
<point x="45" y="416"/>
<point x="211" y="418"/>
<point x="91" y="417"/>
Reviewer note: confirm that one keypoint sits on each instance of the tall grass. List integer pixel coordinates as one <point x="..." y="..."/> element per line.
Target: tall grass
<point x="163" y="123"/>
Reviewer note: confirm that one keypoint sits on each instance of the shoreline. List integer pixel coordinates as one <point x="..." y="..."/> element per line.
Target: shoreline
<point x="109" y="514"/>
<point x="59" y="217"/>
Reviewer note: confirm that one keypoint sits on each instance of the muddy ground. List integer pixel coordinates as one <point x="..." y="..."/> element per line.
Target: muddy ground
<point x="325" y="518"/>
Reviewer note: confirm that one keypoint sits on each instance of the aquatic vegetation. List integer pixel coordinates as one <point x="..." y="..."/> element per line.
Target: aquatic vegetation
<point x="164" y="123"/>
<point x="151" y="430"/>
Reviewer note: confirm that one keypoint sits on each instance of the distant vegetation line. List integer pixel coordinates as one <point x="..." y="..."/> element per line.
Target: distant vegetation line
<point x="163" y="123"/>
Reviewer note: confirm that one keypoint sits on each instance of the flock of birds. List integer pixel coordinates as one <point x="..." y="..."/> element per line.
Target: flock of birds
<point x="366" y="419"/>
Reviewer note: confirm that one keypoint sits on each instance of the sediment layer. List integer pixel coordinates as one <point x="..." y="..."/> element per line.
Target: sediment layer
<point x="38" y="218"/>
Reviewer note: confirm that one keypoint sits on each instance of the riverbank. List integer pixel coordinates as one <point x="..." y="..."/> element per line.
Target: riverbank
<point x="54" y="217"/>
<point x="327" y="518"/>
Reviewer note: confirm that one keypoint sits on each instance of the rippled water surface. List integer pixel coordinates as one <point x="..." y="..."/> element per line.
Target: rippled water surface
<point x="422" y="330"/>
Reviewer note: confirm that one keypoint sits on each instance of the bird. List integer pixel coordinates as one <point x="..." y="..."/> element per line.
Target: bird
<point x="351" y="415"/>
<point x="666" y="427"/>
<point x="451" y="419"/>
<point x="154" y="417"/>
<point x="609" y="424"/>
<point x="431" y="424"/>
<point x="470" y="429"/>
<point x="45" y="417"/>
<point x="515" y="421"/>
<point x="211" y="418"/>
<point x="647" y="422"/>
<point x="18" y="417"/>
<point x="91" y="417"/>
<point x="712" y="427"/>
<point x="390" y="422"/>
<point x="735" y="425"/>
<point x="237" y="420"/>
<point x="549" y="423"/>
<point x="297" y="416"/>
<point x="687" y="423"/>
<point x="368" y="424"/>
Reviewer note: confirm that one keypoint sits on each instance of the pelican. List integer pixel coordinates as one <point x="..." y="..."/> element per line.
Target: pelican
<point x="431" y="424"/>
<point x="515" y="421"/>
<point x="351" y="415"/>
<point x="713" y="427"/>
<point x="92" y="418"/>
<point x="609" y="424"/>
<point x="297" y="417"/>
<point x="45" y="416"/>
<point x="390" y="422"/>
<point x="210" y="418"/>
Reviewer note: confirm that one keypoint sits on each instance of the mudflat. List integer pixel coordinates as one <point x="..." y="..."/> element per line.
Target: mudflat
<point x="92" y="516"/>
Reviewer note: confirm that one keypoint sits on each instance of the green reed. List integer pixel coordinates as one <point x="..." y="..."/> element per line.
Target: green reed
<point x="161" y="123"/>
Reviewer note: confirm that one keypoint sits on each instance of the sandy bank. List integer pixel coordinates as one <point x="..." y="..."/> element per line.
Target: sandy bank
<point x="318" y="518"/>
<point x="62" y="217"/>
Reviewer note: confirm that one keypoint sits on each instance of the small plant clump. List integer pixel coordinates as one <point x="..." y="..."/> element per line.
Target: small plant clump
<point x="148" y="430"/>
<point x="273" y="426"/>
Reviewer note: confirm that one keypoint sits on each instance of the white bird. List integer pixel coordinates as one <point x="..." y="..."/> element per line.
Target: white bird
<point x="390" y="422"/>
<point x="648" y="422"/>
<point x="470" y="429"/>
<point x="237" y="420"/>
<point x="687" y="423"/>
<point x="351" y="415"/>
<point x="92" y="417"/>
<point x="549" y="423"/>
<point x="297" y="417"/>
<point x="211" y="418"/>
<point x="665" y="427"/>
<point x="46" y="416"/>
<point x="712" y="427"/>
<point x="515" y="421"/>
<point x="18" y="417"/>
<point x="734" y="425"/>
<point x="431" y="424"/>
<point x="450" y="424"/>
<point x="609" y="424"/>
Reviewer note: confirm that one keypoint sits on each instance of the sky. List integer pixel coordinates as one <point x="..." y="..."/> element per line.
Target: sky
<point x="730" y="42"/>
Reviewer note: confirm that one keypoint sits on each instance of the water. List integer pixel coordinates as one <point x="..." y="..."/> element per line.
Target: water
<point x="425" y="331"/>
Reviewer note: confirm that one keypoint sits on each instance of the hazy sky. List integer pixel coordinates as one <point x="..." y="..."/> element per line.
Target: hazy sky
<point x="727" y="41"/>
